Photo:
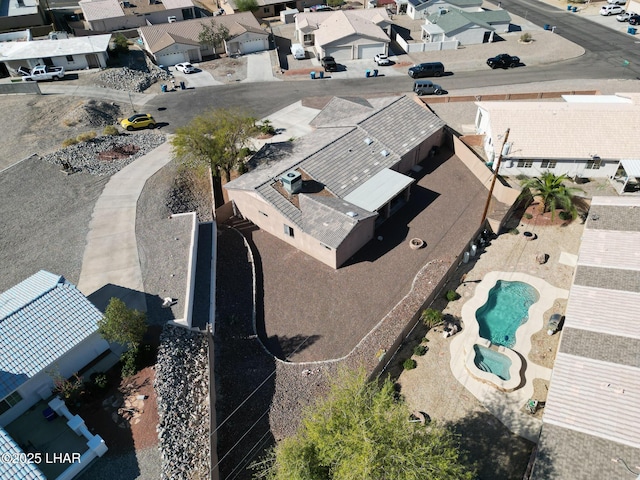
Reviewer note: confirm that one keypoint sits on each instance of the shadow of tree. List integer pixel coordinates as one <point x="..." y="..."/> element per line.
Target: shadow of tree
<point x="283" y="347"/>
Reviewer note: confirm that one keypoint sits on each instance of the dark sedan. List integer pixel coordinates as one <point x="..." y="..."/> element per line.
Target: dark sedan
<point x="504" y="60"/>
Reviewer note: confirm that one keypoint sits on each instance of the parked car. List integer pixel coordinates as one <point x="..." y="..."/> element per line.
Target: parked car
<point x="139" y="120"/>
<point x="185" y="67"/>
<point x="382" y="59"/>
<point x="427" y="87"/>
<point x="624" y="17"/>
<point x="607" y="10"/>
<point x="634" y="19"/>
<point x="329" y="64"/>
<point x="429" y="69"/>
<point x="504" y="60"/>
<point x="617" y="2"/>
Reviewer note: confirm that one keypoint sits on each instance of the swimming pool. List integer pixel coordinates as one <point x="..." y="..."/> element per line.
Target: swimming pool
<point x="505" y="310"/>
<point x="491" y="361"/>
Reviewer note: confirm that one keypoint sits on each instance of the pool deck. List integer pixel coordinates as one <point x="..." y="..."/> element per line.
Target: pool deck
<point x="509" y="409"/>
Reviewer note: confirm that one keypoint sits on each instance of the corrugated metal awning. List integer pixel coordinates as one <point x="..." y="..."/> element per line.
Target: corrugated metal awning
<point x="632" y="167"/>
<point x="379" y="189"/>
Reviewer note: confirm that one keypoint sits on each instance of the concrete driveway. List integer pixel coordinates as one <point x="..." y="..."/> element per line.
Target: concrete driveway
<point x="259" y="67"/>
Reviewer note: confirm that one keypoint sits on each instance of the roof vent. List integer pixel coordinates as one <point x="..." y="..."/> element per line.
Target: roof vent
<point x="368" y="141"/>
<point x="506" y="148"/>
<point x="384" y="153"/>
<point x="352" y="214"/>
<point x="291" y="181"/>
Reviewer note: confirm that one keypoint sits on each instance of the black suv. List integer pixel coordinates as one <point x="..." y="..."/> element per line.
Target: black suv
<point x="504" y="60"/>
<point x="430" y="69"/>
<point x="329" y="64"/>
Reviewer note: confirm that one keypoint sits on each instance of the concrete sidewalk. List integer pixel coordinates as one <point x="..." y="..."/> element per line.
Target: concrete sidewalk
<point x="111" y="254"/>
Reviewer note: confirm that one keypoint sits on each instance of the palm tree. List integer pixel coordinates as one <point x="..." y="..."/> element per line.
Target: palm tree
<point x="554" y="194"/>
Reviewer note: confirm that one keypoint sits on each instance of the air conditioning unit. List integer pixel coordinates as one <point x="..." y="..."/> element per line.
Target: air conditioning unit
<point x="291" y="181"/>
<point x="171" y="19"/>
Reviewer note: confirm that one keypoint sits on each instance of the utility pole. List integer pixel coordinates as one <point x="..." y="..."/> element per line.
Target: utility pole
<point x="495" y="176"/>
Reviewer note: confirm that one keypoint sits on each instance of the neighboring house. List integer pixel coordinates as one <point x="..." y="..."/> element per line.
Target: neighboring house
<point x="345" y="34"/>
<point x="560" y="136"/>
<point x="592" y="411"/>
<point x="77" y="53"/>
<point x="417" y="9"/>
<point x="111" y="15"/>
<point x="177" y="42"/>
<point x="468" y="27"/>
<point x="326" y="193"/>
<point x="270" y="8"/>
<point x="20" y="14"/>
<point x="45" y="324"/>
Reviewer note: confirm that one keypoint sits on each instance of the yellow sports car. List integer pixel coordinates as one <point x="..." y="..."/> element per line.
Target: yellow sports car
<point x="139" y="120"/>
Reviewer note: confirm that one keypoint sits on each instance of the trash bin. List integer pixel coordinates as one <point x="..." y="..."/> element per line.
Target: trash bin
<point x="631" y="30"/>
<point x="367" y="73"/>
<point x="569" y="7"/>
<point x="574" y="9"/>
<point x="375" y="73"/>
<point x="321" y="74"/>
<point x="547" y="26"/>
<point x="163" y="88"/>
<point x="313" y="75"/>
<point x="183" y="86"/>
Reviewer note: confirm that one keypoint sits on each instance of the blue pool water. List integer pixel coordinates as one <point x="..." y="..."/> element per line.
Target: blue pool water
<point x="490" y="361"/>
<point x="506" y="309"/>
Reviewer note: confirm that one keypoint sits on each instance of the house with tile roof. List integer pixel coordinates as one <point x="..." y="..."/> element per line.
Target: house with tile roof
<point x="468" y="27"/>
<point x="45" y="323"/>
<point x="345" y="34"/>
<point x="112" y="15"/>
<point x="177" y="42"/>
<point x="270" y="8"/>
<point x="559" y="136"/>
<point x="590" y="424"/>
<point x="76" y="53"/>
<point x="417" y="9"/>
<point x="326" y="192"/>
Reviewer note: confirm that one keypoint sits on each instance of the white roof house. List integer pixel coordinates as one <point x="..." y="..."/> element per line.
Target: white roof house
<point x="110" y="15"/>
<point x="590" y="426"/>
<point x="574" y="138"/>
<point x="345" y="34"/>
<point x="17" y="14"/>
<point x="74" y="53"/>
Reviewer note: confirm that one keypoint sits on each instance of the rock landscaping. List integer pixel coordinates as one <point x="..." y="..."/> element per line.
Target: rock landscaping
<point x="86" y="156"/>
<point x="182" y="388"/>
<point x="130" y="80"/>
<point x="94" y="113"/>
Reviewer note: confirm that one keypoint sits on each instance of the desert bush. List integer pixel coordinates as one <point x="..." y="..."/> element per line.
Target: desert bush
<point x="100" y="380"/>
<point x="419" y="350"/>
<point x="110" y="130"/>
<point x="514" y="231"/>
<point x="525" y="37"/>
<point x="528" y="216"/>
<point x="68" y="122"/>
<point x="69" y="141"/>
<point x="129" y="361"/>
<point x="84" y="137"/>
<point x="409" y="364"/>
<point x="431" y="317"/>
<point x="452" y="295"/>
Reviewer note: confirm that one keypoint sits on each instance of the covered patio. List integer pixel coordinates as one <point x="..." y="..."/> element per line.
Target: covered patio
<point x="627" y="177"/>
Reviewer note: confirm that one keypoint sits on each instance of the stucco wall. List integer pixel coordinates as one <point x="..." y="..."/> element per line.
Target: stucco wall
<point x="575" y="167"/>
<point x="419" y="153"/>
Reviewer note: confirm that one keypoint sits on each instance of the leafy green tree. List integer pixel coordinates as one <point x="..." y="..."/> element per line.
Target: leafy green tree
<point x="361" y="431"/>
<point x="213" y="36"/>
<point x="120" y="44"/>
<point x="122" y="325"/>
<point x="554" y="194"/>
<point x="335" y="3"/>
<point x="247" y="5"/>
<point x="217" y="139"/>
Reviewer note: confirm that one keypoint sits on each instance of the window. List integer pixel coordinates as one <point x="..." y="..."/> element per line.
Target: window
<point x="308" y="38"/>
<point x="548" y="164"/>
<point x="594" y="164"/>
<point x="288" y="231"/>
<point x="9" y="401"/>
<point x="266" y="10"/>
<point x="70" y="58"/>
<point x="525" y="163"/>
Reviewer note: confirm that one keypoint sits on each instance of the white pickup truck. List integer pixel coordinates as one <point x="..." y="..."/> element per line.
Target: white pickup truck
<point x="41" y="72"/>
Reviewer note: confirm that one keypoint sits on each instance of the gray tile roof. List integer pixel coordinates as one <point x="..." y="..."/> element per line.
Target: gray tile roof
<point x="343" y="158"/>
<point x="43" y="318"/>
<point x="610" y="347"/>
<point x="327" y="219"/>
<point x="16" y="470"/>
<point x="624" y="218"/>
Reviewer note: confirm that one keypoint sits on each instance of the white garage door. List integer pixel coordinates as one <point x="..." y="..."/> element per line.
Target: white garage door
<point x="369" y="51"/>
<point x="339" y="53"/>
<point x="171" y="59"/>
<point x="252" y="46"/>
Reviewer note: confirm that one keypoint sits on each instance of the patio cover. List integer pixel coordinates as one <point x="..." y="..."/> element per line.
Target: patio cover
<point x="632" y="167"/>
<point x="379" y="189"/>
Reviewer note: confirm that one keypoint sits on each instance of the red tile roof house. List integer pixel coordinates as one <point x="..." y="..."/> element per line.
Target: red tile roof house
<point x="172" y="43"/>
<point x="45" y="324"/>
<point x="326" y="192"/>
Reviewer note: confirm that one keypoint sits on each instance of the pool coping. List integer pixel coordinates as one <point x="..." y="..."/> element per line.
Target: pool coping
<point x="506" y="406"/>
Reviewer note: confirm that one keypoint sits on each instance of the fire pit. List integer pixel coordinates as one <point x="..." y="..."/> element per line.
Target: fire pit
<point x="529" y="236"/>
<point x="416" y="243"/>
